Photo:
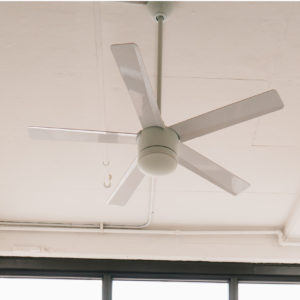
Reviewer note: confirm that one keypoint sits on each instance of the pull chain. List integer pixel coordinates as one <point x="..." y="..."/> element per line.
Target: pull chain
<point x="107" y="182"/>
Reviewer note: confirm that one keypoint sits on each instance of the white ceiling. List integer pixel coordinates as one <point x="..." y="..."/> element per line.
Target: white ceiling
<point x="56" y="70"/>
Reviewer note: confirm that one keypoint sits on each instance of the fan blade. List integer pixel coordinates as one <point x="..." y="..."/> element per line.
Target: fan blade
<point x="133" y="71"/>
<point x="78" y="135"/>
<point x="128" y="184"/>
<point x="209" y="170"/>
<point x="229" y="115"/>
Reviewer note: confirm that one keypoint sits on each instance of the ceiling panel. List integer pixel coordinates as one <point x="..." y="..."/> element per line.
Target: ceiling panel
<point x="44" y="36"/>
<point x="288" y="63"/>
<point x="220" y="211"/>
<point x="217" y="40"/>
<point x="281" y="128"/>
<point x="63" y="182"/>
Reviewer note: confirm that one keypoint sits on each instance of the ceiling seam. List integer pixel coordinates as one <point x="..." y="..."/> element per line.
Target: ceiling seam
<point x="216" y="78"/>
<point x="221" y="192"/>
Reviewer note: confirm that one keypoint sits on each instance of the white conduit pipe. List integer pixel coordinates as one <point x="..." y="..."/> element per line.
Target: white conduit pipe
<point x="99" y="228"/>
<point x="149" y="215"/>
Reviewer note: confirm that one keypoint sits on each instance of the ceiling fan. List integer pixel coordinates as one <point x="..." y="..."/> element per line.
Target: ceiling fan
<point x="161" y="148"/>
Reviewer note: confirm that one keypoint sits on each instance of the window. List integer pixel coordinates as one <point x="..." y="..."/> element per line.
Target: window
<point x="274" y="291"/>
<point x="50" y="289"/>
<point x="161" y="290"/>
<point x="25" y="278"/>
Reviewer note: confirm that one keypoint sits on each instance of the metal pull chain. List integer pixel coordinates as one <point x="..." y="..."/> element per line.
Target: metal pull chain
<point x="107" y="182"/>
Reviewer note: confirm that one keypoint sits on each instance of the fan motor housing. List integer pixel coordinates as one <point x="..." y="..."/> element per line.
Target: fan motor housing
<point x="157" y="149"/>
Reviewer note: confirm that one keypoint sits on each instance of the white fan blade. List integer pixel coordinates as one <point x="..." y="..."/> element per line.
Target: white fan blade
<point x="128" y="184"/>
<point x="229" y="115"/>
<point x="78" y="135"/>
<point x="209" y="170"/>
<point x="133" y="71"/>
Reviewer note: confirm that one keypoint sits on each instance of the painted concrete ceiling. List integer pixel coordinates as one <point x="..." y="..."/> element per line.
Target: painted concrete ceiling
<point x="57" y="70"/>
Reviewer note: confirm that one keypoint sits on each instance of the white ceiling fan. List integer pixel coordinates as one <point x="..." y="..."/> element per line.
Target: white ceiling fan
<point x="161" y="148"/>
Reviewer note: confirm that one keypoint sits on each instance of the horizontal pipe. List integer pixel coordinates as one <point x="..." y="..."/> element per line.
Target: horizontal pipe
<point x="72" y="227"/>
<point x="100" y="228"/>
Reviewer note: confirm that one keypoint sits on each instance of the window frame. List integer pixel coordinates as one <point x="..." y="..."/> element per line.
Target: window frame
<point x="109" y="269"/>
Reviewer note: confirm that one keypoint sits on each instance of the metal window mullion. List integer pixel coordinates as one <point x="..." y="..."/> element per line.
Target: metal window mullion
<point x="107" y="287"/>
<point x="233" y="289"/>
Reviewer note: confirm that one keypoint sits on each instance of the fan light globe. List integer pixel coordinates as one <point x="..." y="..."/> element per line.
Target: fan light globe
<point x="157" y="151"/>
<point x="157" y="161"/>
